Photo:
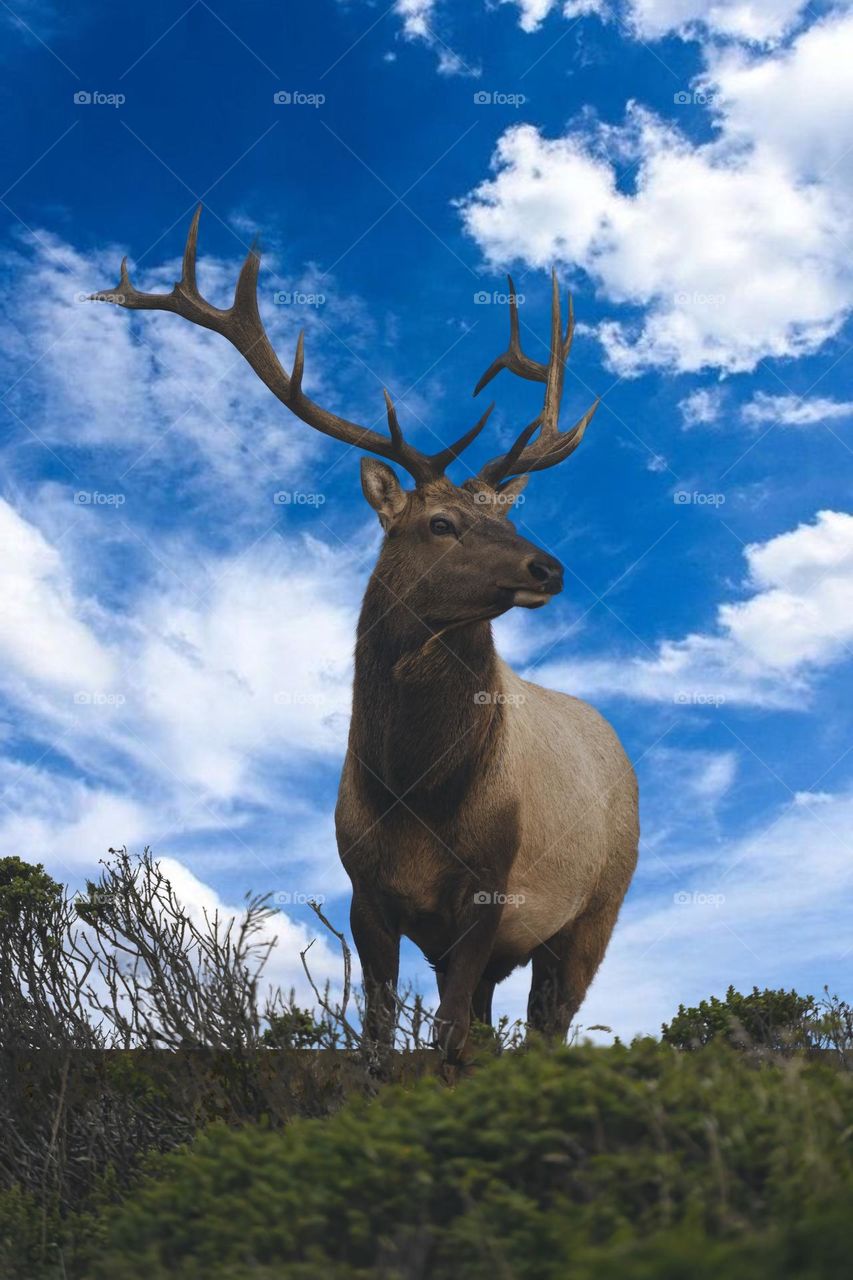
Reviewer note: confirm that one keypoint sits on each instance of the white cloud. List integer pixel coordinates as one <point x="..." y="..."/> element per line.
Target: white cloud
<point x="189" y="723"/>
<point x="806" y="798"/>
<point x="762" y="21"/>
<point x="63" y="821"/>
<point x="203" y="685"/>
<point x="702" y="407"/>
<point x="258" y="668"/>
<point x="735" y="247"/>
<point x="420" y="23"/>
<point x="766" y="650"/>
<point x="46" y="634"/>
<point x="748" y="20"/>
<point x="585" y="8"/>
<point x="794" y="411"/>
<point x="532" y="13"/>
<point x="417" y="16"/>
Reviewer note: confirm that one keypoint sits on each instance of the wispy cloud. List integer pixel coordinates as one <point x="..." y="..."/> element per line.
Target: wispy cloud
<point x="794" y="411"/>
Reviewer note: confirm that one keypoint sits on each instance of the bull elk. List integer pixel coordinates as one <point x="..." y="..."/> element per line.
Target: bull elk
<point x="490" y="820"/>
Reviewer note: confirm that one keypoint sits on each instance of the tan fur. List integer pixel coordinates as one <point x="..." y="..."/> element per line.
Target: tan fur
<point x="578" y="804"/>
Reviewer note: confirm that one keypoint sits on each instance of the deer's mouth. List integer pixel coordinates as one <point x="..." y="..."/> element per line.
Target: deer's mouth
<point x="527" y="599"/>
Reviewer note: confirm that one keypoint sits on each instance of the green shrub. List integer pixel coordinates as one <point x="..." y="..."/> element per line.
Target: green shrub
<point x="778" y="1020"/>
<point x="638" y="1162"/>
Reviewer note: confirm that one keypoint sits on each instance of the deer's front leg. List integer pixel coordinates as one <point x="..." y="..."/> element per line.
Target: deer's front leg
<point x="377" y="942"/>
<point x="476" y="924"/>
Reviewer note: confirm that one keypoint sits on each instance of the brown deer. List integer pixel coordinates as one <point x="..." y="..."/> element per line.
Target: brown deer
<point x="488" y="819"/>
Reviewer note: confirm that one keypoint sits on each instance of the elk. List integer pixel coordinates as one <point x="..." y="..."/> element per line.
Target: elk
<point x="491" y="821"/>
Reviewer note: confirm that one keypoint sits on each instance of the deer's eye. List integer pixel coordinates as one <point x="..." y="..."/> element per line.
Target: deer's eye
<point x="440" y="525"/>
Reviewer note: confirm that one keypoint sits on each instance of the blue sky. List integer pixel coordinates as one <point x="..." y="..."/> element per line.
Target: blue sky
<point x="176" y="644"/>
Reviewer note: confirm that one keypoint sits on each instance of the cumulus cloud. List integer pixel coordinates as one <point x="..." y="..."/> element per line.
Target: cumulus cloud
<point x="794" y="411"/>
<point x="701" y="407"/>
<point x="766" y="650"/>
<point x="734" y="248"/>
<point x="762" y="21"/>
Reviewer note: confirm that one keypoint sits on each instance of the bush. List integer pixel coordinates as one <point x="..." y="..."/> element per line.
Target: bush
<point x="770" y="1019"/>
<point x="638" y="1162"/>
<point x="125" y="1027"/>
<point x="779" y="1021"/>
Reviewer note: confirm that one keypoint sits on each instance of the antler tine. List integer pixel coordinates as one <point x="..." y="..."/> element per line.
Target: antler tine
<point x="242" y="325"/>
<point x="556" y="365"/>
<point x="551" y="445"/>
<point x="513" y="358"/>
<point x="453" y="451"/>
<point x="298" y="367"/>
<point x="188" y="277"/>
<point x="504" y="466"/>
<point x="394" y="429"/>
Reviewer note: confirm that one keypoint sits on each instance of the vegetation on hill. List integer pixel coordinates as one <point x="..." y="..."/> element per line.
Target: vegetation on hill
<point x="159" y="1119"/>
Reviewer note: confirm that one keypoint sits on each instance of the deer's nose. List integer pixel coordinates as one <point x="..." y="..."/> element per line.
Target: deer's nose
<point x="546" y="572"/>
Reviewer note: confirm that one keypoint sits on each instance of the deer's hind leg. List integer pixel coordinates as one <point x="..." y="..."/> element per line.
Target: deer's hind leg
<point x="564" y="967"/>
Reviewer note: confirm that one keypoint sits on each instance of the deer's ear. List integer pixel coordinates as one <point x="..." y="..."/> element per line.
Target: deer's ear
<point x="382" y="489"/>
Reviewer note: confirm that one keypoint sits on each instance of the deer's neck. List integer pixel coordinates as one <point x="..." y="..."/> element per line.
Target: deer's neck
<point x="425" y="718"/>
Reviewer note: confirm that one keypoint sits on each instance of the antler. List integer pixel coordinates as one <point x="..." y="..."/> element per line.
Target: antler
<point x="551" y="445"/>
<point x="241" y="324"/>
